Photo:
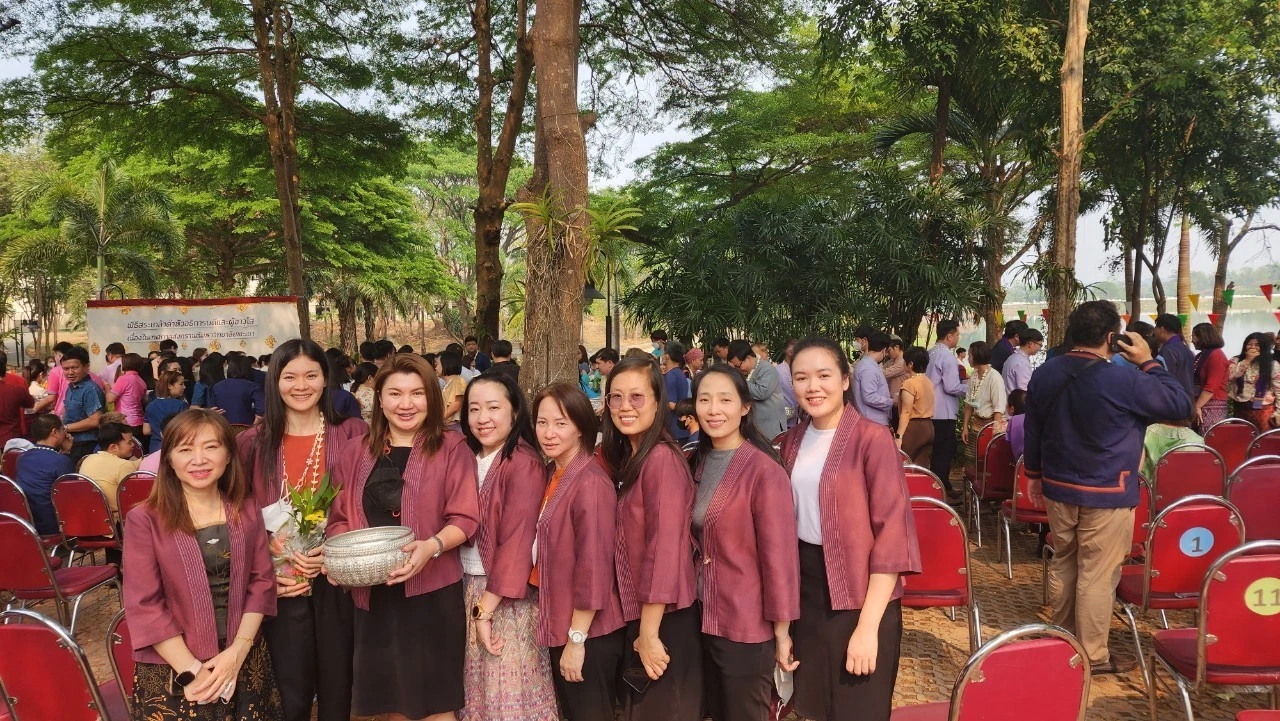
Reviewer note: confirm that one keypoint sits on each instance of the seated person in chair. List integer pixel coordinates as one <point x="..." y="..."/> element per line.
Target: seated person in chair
<point x="39" y="467"/>
<point x="112" y="462"/>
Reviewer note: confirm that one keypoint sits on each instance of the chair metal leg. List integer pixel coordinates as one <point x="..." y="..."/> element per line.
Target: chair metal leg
<point x="1151" y="688"/>
<point x="975" y="626"/>
<point x="977" y="517"/>
<point x="75" y="612"/>
<point x="951" y="612"/>
<point x="1164" y="620"/>
<point x="1008" y="546"/>
<point x="1137" y="642"/>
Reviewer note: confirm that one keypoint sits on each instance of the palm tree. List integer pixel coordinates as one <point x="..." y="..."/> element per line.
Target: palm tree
<point x="113" y="221"/>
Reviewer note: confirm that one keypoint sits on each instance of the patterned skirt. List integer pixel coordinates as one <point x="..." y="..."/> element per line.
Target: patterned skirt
<point x="515" y="686"/>
<point x="256" y="697"/>
<point x="1260" y="417"/>
<point x="1212" y="412"/>
<point x="976" y="423"/>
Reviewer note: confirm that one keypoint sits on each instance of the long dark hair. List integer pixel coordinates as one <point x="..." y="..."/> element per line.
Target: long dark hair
<point x="521" y="426"/>
<point x="750" y="433"/>
<point x="1266" y="354"/>
<point x="834" y="348"/>
<point x="622" y="464"/>
<point x="271" y="437"/>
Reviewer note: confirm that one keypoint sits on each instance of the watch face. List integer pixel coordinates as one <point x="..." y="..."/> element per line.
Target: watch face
<point x="185" y="678"/>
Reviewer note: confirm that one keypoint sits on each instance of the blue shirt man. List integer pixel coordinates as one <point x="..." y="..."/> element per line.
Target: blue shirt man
<point x="40" y="466"/>
<point x="872" y="398"/>
<point x="948" y="389"/>
<point x="677" y="387"/>
<point x="1178" y="358"/>
<point x="84" y="405"/>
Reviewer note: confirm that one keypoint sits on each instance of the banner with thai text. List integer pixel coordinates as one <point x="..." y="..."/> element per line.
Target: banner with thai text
<point x="253" y="325"/>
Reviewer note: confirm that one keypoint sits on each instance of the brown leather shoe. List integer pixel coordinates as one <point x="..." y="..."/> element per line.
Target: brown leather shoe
<point x="1118" y="663"/>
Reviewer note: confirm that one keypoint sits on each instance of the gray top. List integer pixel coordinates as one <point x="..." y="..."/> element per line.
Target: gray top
<point x="215" y="547"/>
<point x="713" y="467"/>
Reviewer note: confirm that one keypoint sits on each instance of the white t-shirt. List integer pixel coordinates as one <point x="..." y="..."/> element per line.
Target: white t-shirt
<point x="470" y="553"/>
<point x="806" y="477"/>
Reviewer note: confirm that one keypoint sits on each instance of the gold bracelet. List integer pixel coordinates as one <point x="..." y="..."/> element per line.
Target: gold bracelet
<point x="245" y="639"/>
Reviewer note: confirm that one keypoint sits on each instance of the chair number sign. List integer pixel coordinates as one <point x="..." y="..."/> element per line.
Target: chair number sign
<point x="1263" y="596"/>
<point x="1196" y="542"/>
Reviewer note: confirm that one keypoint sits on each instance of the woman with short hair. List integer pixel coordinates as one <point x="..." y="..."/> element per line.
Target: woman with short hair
<point x="915" y="404"/>
<point x="1211" y="370"/>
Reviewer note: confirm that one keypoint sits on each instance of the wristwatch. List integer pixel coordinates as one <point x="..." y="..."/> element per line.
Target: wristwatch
<point x="479" y="614"/>
<point x="577" y="638"/>
<point x="186" y="677"/>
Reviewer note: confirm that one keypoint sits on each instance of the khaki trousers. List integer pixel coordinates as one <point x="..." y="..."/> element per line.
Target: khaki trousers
<point x="1089" y="546"/>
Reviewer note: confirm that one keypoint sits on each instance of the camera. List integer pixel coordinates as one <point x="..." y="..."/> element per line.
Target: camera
<point x="1120" y="342"/>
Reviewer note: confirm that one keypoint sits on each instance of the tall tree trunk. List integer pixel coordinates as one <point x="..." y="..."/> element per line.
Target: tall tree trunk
<point x="1135" y="291"/>
<point x="1062" y="278"/>
<point x="493" y="166"/>
<point x="1128" y="278"/>
<point x="277" y="67"/>
<point x="557" y="255"/>
<point x="1157" y="292"/>
<point x="347" y="325"/>
<point x="366" y="305"/>
<point x="994" y="302"/>
<point x="1184" y="265"/>
<point x="940" y="128"/>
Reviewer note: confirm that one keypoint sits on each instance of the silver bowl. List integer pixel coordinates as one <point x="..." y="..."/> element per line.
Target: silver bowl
<point x="368" y="556"/>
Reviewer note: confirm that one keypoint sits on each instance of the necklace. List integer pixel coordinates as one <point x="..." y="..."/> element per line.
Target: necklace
<point x="312" y="466"/>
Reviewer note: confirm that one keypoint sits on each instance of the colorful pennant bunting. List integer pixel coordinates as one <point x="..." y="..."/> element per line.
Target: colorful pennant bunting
<point x="1022" y="315"/>
<point x="1228" y="296"/>
<point x="1125" y="316"/>
<point x="1266" y="290"/>
<point x="1195" y="300"/>
<point x="1215" y="318"/>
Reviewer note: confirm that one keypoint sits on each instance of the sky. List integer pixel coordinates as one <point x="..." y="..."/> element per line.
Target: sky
<point x="1259" y="249"/>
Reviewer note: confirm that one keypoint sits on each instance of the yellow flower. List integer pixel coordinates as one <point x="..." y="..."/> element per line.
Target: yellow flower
<point x="314" y="517"/>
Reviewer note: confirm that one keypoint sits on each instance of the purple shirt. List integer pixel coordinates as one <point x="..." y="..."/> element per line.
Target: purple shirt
<point x="1017" y="371"/>
<point x="872" y="397"/>
<point x="944" y="373"/>
<point x="1015" y="435"/>
<point x="784" y="382"/>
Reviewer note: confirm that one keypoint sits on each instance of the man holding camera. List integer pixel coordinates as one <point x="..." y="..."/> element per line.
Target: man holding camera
<point x="1086" y="419"/>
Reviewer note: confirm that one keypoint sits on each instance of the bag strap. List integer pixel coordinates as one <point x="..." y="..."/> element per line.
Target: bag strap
<point x="1044" y="417"/>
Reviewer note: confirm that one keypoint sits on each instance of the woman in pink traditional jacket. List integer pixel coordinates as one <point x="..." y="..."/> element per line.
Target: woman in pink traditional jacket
<point x="857" y="538"/>
<point x="654" y="556"/>
<point x="299" y="440"/>
<point x="579" y="612"/>
<point x="508" y="674"/>
<point x="410" y="633"/>
<point x="198" y="583"/>
<point x="745" y="525"/>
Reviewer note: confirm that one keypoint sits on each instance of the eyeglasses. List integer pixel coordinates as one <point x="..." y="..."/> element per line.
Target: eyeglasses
<point x="637" y="400"/>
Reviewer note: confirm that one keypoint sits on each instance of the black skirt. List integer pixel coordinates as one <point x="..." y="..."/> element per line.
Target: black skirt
<point x="824" y="690"/>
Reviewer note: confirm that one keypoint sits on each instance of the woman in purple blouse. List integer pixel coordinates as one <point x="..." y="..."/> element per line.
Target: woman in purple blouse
<point x="198" y="583"/>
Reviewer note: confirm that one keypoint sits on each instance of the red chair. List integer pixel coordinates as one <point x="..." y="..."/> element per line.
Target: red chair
<point x="84" y="517"/>
<point x="25" y="574"/>
<point x="1231" y="438"/>
<point x="1141" y="526"/>
<point x="120" y="653"/>
<point x="1237" y="638"/>
<point x="1254" y="488"/>
<point x="1190" y="469"/>
<point x="1265" y="444"/>
<point x="9" y="463"/>
<point x="922" y="482"/>
<point x="133" y="490"/>
<point x="14" y="500"/>
<point x="1032" y="672"/>
<point x="1258" y="716"/>
<point x="996" y="481"/>
<point x="945" y="580"/>
<point x="974" y="470"/>
<point x="1186" y="538"/>
<point x="1022" y="508"/>
<point x="46" y="674"/>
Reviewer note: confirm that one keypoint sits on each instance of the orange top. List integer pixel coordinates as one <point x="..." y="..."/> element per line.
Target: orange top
<point x="296" y="450"/>
<point x="546" y="496"/>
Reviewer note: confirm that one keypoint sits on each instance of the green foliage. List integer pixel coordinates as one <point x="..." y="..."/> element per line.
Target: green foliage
<point x="793" y="265"/>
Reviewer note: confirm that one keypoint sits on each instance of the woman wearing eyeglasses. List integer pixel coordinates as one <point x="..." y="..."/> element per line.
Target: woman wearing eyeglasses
<point x="654" y="559"/>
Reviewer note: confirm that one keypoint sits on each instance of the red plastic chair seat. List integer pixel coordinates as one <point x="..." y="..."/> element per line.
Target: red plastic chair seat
<point x="1025" y="515"/>
<point x="73" y="582"/>
<point x="1178" y="648"/>
<point x="934" y="599"/>
<point x="51" y="540"/>
<point x="1129" y="590"/>
<point x="1258" y="716"/>
<point x="936" y="711"/>
<point x="93" y="543"/>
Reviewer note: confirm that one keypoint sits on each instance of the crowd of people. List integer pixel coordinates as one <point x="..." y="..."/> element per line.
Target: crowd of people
<point x="666" y="534"/>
